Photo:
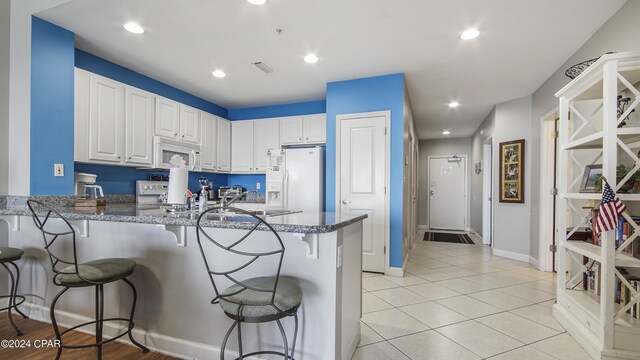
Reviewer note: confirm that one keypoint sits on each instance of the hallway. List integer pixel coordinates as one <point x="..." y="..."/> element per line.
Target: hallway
<point x="460" y="302"/>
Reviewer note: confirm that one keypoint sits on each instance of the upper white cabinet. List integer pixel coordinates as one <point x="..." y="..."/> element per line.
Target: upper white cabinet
<point x="106" y="119"/>
<point x="314" y="128"/>
<point x="291" y="130"/>
<point x="242" y="146"/>
<point x="266" y="135"/>
<point x="177" y="121"/>
<point x="139" y="121"/>
<point x="209" y="147"/>
<point x="113" y="122"/>
<point x="224" y="145"/>
<point x="167" y="118"/>
<point x="189" y="124"/>
<point x="300" y="130"/>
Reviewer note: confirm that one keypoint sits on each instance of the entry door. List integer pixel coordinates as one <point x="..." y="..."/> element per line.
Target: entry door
<point x="363" y="181"/>
<point x="447" y="193"/>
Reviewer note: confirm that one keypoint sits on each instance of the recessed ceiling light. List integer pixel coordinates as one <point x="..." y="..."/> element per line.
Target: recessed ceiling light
<point x="133" y="28"/>
<point x="218" y="73"/>
<point x="453" y="104"/>
<point x="470" y="34"/>
<point x="257" y="2"/>
<point x="446" y="132"/>
<point x="311" y="58"/>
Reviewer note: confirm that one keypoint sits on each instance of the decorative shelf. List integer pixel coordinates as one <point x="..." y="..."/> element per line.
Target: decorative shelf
<point x="595" y="252"/>
<point x="590" y="303"/>
<point x="628" y="135"/>
<point x="598" y="196"/>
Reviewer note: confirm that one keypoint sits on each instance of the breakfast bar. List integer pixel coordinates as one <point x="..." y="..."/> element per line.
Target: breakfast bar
<point x="174" y="313"/>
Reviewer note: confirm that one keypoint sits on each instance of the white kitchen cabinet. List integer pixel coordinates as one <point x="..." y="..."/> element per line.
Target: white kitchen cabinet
<point x="167" y="118"/>
<point x="314" y="128"/>
<point x="266" y="135"/>
<point x="189" y="124"/>
<point x="139" y="121"/>
<point x="224" y="145"/>
<point x="291" y="130"/>
<point x="209" y="147"/>
<point x="242" y="146"/>
<point x="106" y="119"/>
<point x="81" y="115"/>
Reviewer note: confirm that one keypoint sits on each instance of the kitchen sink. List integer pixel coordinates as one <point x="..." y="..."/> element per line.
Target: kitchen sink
<point x="256" y="212"/>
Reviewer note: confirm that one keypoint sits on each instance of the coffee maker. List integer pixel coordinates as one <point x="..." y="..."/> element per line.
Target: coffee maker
<point x="82" y="181"/>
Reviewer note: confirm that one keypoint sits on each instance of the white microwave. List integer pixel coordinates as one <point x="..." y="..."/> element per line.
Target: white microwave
<point x="165" y="149"/>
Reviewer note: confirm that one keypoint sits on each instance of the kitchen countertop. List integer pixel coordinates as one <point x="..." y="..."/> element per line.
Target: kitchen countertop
<point x="302" y="222"/>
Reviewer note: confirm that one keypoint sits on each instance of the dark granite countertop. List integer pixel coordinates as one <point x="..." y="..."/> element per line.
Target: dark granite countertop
<point x="301" y="222"/>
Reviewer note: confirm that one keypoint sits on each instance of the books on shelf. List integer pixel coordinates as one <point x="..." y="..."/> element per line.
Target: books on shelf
<point x="623" y="231"/>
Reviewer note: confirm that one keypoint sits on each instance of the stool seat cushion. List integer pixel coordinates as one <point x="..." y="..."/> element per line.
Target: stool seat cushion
<point x="256" y="304"/>
<point x="10" y="254"/>
<point x="97" y="271"/>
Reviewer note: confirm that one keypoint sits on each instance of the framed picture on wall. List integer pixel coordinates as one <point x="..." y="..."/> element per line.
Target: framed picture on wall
<point x="512" y="171"/>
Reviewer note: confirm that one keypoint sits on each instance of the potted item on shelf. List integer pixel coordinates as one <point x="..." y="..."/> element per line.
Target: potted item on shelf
<point x="632" y="186"/>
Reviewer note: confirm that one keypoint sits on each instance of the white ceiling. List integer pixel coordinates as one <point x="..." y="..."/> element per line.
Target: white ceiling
<point x="522" y="43"/>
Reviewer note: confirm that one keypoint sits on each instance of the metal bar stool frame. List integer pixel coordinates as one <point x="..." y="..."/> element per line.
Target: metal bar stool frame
<point x="238" y="317"/>
<point x="15" y="280"/>
<point x="41" y="222"/>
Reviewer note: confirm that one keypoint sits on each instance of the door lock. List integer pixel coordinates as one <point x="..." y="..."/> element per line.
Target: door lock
<point x="346" y="202"/>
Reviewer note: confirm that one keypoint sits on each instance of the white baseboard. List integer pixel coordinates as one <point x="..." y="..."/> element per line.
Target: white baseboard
<point x="510" y="255"/>
<point x="399" y="272"/>
<point x="476" y="234"/>
<point x="171" y="346"/>
<point x="535" y="263"/>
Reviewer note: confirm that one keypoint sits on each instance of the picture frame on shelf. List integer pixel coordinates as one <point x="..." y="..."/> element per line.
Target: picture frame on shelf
<point x="592" y="173"/>
<point x="512" y="171"/>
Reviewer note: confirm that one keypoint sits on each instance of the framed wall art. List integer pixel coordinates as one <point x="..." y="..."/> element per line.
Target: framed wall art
<point x="512" y="171"/>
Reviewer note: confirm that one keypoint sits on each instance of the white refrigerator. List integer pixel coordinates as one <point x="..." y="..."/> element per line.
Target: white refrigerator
<point x="295" y="179"/>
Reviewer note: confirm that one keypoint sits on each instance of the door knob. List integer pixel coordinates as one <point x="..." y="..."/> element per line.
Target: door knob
<point x="346" y="202"/>
<point x="431" y="192"/>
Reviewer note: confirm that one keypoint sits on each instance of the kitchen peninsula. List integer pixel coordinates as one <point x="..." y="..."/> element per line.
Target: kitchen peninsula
<point x="174" y="313"/>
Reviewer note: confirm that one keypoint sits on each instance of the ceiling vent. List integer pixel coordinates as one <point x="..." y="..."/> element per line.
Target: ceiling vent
<point x="263" y="67"/>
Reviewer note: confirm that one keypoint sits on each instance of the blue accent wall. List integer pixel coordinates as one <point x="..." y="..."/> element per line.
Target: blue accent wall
<point x="248" y="181"/>
<point x="98" y="65"/>
<point x="293" y="109"/>
<point x="378" y="93"/>
<point x="52" y="58"/>
<point x="122" y="180"/>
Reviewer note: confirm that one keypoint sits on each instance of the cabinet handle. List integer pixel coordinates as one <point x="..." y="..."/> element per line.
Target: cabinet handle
<point x="299" y="138"/>
<point x="118" y="157"/>
<point x="176" y="134"/>
<point x="307" y="138"/>
<point x="129" y="157"/>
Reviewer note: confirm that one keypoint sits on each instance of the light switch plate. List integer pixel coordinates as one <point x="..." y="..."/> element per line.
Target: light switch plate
<point x="58" y="169"/>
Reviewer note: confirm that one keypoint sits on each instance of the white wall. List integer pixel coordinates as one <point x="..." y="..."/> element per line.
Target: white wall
<point x="447" y="147"/>
<point x="5" y="13"/>
<point x="484" y="133"/>
<point x="620" y="33"/>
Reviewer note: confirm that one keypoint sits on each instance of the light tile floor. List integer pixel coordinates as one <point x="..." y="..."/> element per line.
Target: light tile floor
<point x="459" y="302"/>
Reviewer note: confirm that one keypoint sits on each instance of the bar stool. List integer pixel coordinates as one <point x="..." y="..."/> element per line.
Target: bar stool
<point x="71" y="274"/>
<point x="254" y="300"/>
<point x="7" y="256"/>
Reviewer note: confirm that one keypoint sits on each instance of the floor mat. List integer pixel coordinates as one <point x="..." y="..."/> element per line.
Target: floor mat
<point x="446" y="237"/>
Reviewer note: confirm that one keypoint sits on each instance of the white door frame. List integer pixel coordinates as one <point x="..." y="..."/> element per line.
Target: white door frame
<point x="466" y="189"/>
<point x="545" y="232"/>
<point x="387" y="115"/>
<point x="487" y="205"/>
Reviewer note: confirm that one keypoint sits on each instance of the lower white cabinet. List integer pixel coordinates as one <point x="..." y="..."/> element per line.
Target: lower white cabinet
<point x="242" y="146"/>
<point x="266" y="135"/>
<point x="224" y="145"/>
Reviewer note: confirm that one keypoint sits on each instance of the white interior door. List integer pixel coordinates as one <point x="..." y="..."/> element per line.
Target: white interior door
<point x="487" y="213"/>
<point x="363" y="181"/>
<point x="447" y="195"/>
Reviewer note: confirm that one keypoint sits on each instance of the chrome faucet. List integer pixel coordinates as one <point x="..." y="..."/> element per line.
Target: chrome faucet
<point x="224" y="202"/>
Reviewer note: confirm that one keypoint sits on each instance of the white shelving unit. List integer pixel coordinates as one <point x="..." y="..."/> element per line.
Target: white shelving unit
<point x="600" y="325"/>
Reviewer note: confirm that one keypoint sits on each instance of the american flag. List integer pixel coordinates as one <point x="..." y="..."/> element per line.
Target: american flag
<point x="610" y="208"/>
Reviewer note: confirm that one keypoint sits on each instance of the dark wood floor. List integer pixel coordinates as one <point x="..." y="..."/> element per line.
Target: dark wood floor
<point x="35" y="330"/>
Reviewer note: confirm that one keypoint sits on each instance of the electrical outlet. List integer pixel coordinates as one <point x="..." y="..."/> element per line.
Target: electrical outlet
<point x="257" y="186"/>
<point x="58" y="169"/>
